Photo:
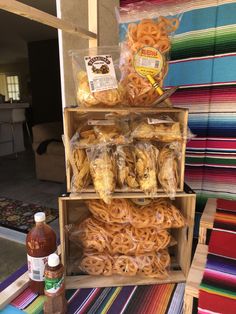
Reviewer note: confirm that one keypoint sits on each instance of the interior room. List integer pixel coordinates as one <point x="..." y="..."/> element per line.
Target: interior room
<point x="30" y="116"/>
<point x="117" y="156"/>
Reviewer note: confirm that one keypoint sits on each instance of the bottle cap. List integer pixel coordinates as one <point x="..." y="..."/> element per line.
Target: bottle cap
<point x="39" y="217"/>
<point x="53" y="260"/>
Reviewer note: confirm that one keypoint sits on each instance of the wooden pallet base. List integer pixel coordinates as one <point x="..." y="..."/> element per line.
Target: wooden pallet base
<point x="195" y="277"/>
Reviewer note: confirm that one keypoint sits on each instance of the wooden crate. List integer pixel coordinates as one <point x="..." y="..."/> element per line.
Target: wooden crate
<point x="72" y="118"/>
<point x="207" y="220"/>
<point x="194" y="278"/>
<point x="72" y="209"/>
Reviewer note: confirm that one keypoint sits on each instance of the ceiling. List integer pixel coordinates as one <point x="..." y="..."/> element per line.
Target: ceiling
<point x="18" y="31"/>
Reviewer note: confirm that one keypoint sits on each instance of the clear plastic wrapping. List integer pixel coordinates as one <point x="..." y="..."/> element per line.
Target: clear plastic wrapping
<point x="156" y="127"/>
<point x="145" y="37"/>
<point x="114" y="239"/>
<point x="150" y="264"/>
<point x="98" y="85"/>
<point x="102" y="170"/>
<point x="125" y="162"/>
<point x="96" y="131"/>
<point x="124" y="238"/>
<point x="160" y="213"/>
<point x="168" y="165"/>
<point x="81" y="174"/>
<point x="146" y="167"/>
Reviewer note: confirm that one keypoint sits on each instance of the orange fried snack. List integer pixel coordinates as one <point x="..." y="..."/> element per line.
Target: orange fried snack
<point x="94" y="235"/>
<point x="160" y="214"/>
<point x="147" y="33"/>
<point x="152" y="264"/>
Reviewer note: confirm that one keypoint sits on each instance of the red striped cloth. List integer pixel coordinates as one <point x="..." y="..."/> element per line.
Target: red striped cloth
<point x="218" y="287"/>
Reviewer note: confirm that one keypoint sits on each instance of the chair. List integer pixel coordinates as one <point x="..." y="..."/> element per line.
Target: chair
<point x="49" y="165"/>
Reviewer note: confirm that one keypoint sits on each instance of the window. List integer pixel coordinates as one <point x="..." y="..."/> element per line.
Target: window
<point x="13" y="87"/>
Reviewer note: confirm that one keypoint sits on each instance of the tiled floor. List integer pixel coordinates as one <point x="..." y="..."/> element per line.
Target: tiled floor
<point x="18" y="181"/>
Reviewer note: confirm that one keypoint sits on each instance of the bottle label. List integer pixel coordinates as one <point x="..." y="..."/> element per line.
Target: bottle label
<point x="53" y="285"/>
<point x="36" y="266"/>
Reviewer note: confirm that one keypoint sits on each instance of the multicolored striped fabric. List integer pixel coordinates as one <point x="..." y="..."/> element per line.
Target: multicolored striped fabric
<point x="218" y="288"/>
<point x="153" y="299"/>
<point x="203" y="64"/>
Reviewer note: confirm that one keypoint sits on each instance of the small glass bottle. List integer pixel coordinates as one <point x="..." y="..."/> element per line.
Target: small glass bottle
<point x="40" y="243"/>
<point x="54" y="286"/>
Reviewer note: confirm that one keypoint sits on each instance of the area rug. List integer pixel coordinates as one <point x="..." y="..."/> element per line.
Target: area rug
<point x="18" y="215"/>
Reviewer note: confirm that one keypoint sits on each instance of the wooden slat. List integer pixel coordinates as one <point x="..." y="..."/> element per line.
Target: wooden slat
<point x="196" y="272"/>
<point x="13" y="290"/>
<point x="207" y="219"/>
<point x="86" y="281"/>
<point x="34" y="14"/>
<point x="195" y="277"/>
<point x="184" y="236"/>
<point x="87" y="196"/>
<point x="127" y="110"/>
<point x="93" y="21"/>
<point x="18" y="286"/>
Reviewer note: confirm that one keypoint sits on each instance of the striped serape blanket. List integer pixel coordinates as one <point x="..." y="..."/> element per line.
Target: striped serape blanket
<point x="158" y="299"/>
<point x="218" y="288"/>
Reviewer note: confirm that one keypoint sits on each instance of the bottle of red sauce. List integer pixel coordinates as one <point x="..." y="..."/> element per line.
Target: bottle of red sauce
<point x="40" y="243"/>
<point x="54" y="287"/>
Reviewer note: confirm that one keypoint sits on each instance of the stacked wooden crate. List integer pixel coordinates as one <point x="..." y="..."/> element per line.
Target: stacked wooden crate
<point x="72" y="209"/>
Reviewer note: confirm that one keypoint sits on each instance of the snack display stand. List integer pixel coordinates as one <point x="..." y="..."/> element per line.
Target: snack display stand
<point x="71" y="207"/>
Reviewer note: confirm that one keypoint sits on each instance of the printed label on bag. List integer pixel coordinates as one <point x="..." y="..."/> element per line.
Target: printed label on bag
<point x="53" y="285"/>
<point x="101" y="72"/>
<point x="157" y="121"/>
<point x="101" y="122"/>
<point x="148" y="61"/>
<point x="36" y="266"/>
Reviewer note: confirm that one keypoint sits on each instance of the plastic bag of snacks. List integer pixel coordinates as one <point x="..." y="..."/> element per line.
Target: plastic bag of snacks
<point x="79" y="163"/>
<point x="160" y="213"/>
<point x="151" y="264"/>
<point x="160" y="127"/>
<point x="81" y="174"/>
<point x="146" y="156"/>
<point x="96" y="76"/>
<point x="92" y="234"/>
<point x="168" y="165"/>
<point x="96" y="131"/>
<point x="125" y="161"/>
<point x="146" y="31"/>
<point x="102" y="170"/>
